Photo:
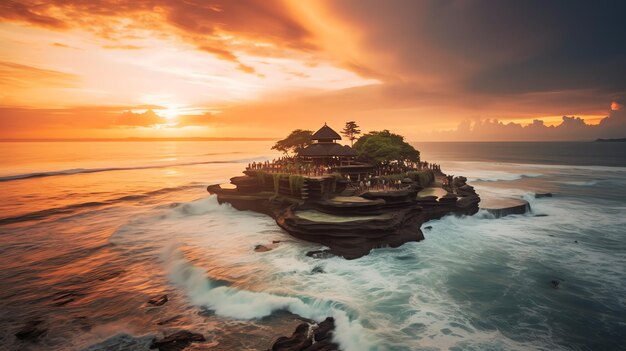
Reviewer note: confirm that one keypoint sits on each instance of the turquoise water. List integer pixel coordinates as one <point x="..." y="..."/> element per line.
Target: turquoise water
<point x="91" y="231"/>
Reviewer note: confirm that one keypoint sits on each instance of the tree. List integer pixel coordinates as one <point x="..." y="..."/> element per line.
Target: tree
<point x="384" y="147"/>
<point x="294" y="142"/>
<point x="350" y="131"/>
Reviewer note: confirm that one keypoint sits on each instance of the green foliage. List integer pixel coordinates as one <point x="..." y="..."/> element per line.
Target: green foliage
<point x="294" y="142"/>
<point x="384" y="147"/>
<point x="276" y="179"/>
<point x="423" y="178"/>
<point x="260" y="177"/>
<point x="295" y="184"/>
<point x="350" y="131"/>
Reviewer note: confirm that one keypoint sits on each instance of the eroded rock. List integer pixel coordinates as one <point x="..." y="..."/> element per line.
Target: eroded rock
<point x="261" y="248"/>
<point x="31" y="331"/>
<point x="320" y="254"/>
<point x="177" y="341"/>
<point x="309" y="337"/>
<point x="158" y="301"/>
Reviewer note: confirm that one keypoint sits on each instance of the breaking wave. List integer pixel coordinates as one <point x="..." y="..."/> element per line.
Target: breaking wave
<point x="108" y="169"/>
<point x="242" y="304"/>
<point x="74" y="208"/>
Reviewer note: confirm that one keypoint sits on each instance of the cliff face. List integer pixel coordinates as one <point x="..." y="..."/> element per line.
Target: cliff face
<point x="352" y="226"/>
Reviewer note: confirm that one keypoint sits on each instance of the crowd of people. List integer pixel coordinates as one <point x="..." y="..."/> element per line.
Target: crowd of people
<point x="288" y="166"/>
<point x="397" y="168"/>
<point x="291" y="166"/>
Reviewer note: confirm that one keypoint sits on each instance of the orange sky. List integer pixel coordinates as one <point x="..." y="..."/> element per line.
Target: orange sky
<point x="104" y="68"/>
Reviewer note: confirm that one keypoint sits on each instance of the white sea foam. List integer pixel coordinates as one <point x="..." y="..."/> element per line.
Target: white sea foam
<point x="242" y="304"/>
<point x="458" y="288"/>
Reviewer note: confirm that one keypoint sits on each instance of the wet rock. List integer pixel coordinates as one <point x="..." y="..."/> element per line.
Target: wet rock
<point x="428" y="227"/>
<point x="31" y="331"/>
<point x="261" y="248"/>
<point x="309" y="337"/>
<point x="540" y="195"/>
<point x="317" y="269"/>
<point x="299" y="340"/>
<point x="158" y="301"/>
<point x="276" y="241"/>
<point x="177" y="341"/>
<point x="320" y="254"/>
<point x="575" y="241"/>
<point x="556" y="282"/>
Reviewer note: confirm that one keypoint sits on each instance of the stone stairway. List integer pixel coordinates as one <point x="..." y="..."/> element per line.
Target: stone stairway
<point x="304" y="191"/>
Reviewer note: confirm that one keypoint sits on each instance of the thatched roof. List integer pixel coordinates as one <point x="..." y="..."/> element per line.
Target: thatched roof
<point x="327" y="150"/>
<point x="325" y="133"/>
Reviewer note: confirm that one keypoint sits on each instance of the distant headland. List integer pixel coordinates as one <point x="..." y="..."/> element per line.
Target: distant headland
<point x="618" y="140"/>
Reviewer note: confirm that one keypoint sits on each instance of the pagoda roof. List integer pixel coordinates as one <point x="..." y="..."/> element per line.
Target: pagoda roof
<point x="325" y="133"/>
<point x="327" y="150"/>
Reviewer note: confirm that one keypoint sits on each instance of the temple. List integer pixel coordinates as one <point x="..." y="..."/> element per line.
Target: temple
<point x="324" y="151"/>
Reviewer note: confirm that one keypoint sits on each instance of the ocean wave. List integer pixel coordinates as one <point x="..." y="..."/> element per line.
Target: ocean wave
<point x="583" y="183"/>
<point x="109" y="169"/>
<point x="75" y="208"/>
<point x="497" y="176"/>
<point x="242" y="304"/>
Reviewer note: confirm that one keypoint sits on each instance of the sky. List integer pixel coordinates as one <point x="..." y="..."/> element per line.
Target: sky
<point x="430" y="70"/>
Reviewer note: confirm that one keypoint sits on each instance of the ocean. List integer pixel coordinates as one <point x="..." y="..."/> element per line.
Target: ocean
<point x="90" y="231"/>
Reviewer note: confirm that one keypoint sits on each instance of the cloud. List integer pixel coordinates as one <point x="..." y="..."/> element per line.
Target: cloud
<point x="14" y="75"/>
<point x="122" y="47"/>
<point x="501" y="47"/>
<point x="30" y="122"/>
<point x="145" y="119"/>
<point x="220" y="28"/>
<point x="571" y="128"/>
<point x="19" y="11"/>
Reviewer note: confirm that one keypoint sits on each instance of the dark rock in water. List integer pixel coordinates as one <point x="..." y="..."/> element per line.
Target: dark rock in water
<point x="428" y="227"/>
<point x="325" y="329"/>
<point x="575" y="241"/>
<point x="158" y="301"/>
<point x="261" y="248"/>
<point x="31" y="331"/>
<point x="540" y="195"/>
<point x="299" y="340"/>
<point x="309" y="337"/>
<point x="556" y="282"/>
<point x="320" y="254"/>
<point x="317" y="269"/>
<point x="177" y="341"/>
<point x="541" y="215"/>
<point x="506" y="206"/>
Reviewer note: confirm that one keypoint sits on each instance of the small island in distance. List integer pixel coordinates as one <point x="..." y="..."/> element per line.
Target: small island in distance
<point x="616" y="140"/>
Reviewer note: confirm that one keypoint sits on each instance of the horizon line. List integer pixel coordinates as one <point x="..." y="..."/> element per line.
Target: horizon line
<point x="138" y="139"/>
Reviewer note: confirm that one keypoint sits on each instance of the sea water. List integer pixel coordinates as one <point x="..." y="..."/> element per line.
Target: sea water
<point x="90" y="231"/>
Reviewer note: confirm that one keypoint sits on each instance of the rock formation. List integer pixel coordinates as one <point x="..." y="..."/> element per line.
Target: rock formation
<point x="350" y="226"/>
<point x="309" y="337"/>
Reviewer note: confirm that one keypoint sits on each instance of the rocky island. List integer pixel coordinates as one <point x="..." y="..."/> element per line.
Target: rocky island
<point x="352" y="200"/>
